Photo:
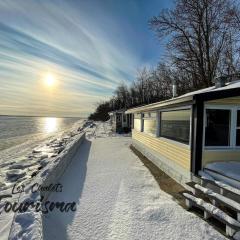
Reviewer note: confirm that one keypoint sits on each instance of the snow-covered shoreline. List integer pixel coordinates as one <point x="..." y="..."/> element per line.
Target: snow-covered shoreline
<point x="44" y="165"/>
<point x="19" y="163"/>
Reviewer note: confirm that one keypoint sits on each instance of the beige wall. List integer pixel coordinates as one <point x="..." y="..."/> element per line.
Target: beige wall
<point x="176" y="153"/>
<point x="225" y="101"/>
<point x="210" y="156"/>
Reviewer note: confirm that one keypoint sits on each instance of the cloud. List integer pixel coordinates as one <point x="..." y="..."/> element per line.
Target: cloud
<point x="87" y="45"/>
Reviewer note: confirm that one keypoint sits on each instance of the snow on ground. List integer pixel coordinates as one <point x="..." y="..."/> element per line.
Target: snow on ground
<point x="25" y="170"/>
<point x="117" y="198"/>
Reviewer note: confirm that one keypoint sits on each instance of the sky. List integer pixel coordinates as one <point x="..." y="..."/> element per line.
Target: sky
<point x="60" y="58"/>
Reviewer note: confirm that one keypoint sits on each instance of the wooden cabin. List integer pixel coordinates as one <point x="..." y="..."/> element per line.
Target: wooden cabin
<point x="183" y="134"/>
<point x="121" y="122"/>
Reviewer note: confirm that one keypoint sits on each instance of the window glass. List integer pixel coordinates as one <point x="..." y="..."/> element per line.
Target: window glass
<point x="137" y="124"/>
<point x="217" y="132"/>
<point x="118" y="117"/>
<point x="149" y="126"/>
<point x="238" y="129"/>
<point x="176" y="125"/>
<point x="149" y="115"/>
<point x="137" y="115"/>
<point x="137" y="121"/>
<point x="150" y="123"/>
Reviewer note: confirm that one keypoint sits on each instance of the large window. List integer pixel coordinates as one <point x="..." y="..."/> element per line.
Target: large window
<point x="176" y="125"/>
<point x="217" y="129"/>
<point x="150" y="123"/>
<point x="238" y="129"/>
<point x="137" y="121"/>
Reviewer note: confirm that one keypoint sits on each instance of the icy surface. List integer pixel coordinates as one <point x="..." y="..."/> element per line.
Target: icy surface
<point x="213" y="210"/>
<point x="117" y="198"/>
<point x="222" y="198"/>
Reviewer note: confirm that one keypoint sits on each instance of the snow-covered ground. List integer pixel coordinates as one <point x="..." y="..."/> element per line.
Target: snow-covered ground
<point x="117" y="198"/>
<point x="30" y="167"/>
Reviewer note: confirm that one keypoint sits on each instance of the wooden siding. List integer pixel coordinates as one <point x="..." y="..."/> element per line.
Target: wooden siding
<point x="173" y="152"/>
<point x="210" y="156"/>
<point x="225" y="101"/>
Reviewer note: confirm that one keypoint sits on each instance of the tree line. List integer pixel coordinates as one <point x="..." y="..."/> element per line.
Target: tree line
<point x="202" y="41"/>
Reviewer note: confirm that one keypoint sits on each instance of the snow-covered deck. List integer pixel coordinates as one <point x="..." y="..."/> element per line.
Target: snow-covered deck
<point x="228" y="172"/>
<point x="118" y="198"/>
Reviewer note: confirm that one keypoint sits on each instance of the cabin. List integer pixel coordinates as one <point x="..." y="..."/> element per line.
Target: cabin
<point x="184" y="134"/>
<point x="121" y="122"/>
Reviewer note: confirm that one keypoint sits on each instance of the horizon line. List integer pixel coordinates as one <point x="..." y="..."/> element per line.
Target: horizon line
<point x="9" y="115"/>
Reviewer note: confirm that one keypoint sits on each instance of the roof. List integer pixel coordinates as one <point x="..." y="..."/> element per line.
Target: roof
<point x="189" y="98"/>
<point x="117" y="111"/>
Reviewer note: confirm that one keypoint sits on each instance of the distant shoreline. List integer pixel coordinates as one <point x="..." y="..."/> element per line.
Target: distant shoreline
<point x="38" y="116"/>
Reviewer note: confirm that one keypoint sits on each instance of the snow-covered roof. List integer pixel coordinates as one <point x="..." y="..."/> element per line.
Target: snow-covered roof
<point x="229" y="85"/>
<point x="186" y="97"/>
<point x="117" y="111"/>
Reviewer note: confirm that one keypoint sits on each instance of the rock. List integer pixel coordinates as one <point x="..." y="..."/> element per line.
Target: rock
<point x="20" y="165"/>
<point x="54" y="155"/>
<point x="44" y="162"/>
<point x="43" y="156"/>
<point x="36" y="151"/>
<point x="15" y="174"/>
<point x="34" y="174"/>
<point x="59" y="149"/>
<point x="7" y="164"/>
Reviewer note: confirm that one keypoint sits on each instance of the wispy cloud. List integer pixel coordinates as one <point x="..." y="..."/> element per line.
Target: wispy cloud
<point x="87" y="45"/>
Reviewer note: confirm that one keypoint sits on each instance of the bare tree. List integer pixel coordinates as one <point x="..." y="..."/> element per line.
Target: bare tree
<point x="198" y="33"/>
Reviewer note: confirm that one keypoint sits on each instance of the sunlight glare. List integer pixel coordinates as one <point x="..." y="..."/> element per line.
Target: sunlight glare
<point x="50" y="80"/>
<point x="50" y="124"/>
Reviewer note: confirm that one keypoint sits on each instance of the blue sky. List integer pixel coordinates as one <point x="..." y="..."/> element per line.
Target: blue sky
<point x="88" y="47"/>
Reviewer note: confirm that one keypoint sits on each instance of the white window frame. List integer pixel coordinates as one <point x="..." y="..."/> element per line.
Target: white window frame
<point x="233" y="126"/>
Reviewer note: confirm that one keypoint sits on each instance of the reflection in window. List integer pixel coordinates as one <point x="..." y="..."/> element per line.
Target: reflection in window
<point x="217" y="127"/>
<point x="150" y="123"/>
<point x="137" y="121"/>
<point x="238" y="129"/>
<point x="176" y="125"/>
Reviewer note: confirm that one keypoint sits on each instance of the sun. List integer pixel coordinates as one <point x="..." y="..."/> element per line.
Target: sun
<point x="50" y="80"/>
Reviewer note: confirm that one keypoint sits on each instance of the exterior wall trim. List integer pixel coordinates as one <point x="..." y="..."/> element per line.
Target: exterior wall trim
<point x="197" y="137"/>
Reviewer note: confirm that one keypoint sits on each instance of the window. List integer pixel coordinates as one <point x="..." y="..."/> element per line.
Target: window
<point x="238" y="129"/>
<point x="118" y="117"/>
<point x="137" y="121"/>
<point x="176" y="125"/>
<point x="217" y="129"/>
<point x="150" y="123"/>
